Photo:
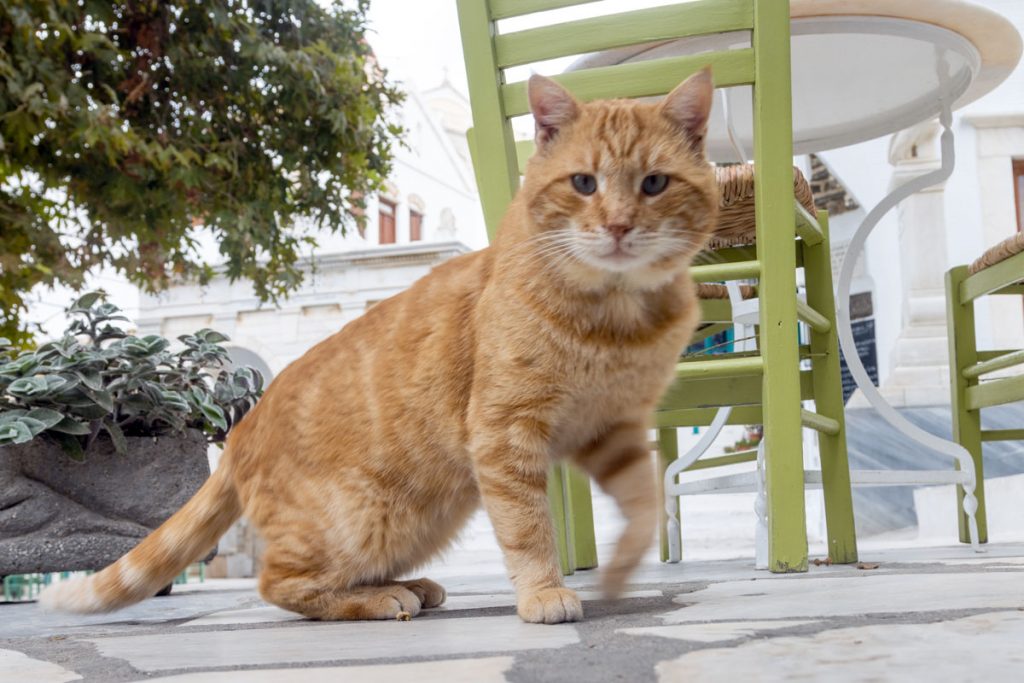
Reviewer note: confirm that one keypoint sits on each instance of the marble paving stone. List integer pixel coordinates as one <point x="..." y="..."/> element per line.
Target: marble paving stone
<point x="478" y="601"/>
<point x="991" y="562"/>
<point x="714" y="632"/>
<point x="984" y="647"/>
<point x="865" y="593"/>
<point x="484" y="670"/>
<point x="251" y="615"/>
<point x="421" y="637"/>
<point x="17" y="667"/>
<point x="270" y="614"/>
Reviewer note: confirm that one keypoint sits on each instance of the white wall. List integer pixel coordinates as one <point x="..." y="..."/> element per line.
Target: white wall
<point x="341" y="289"/>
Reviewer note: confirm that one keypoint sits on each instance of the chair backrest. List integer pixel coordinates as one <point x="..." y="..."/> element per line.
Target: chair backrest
<point x="489" y="53"/>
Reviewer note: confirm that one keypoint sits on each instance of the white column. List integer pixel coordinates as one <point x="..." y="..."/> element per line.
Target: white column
<point x="401" y="221"/>
<point x="920" y="366"/>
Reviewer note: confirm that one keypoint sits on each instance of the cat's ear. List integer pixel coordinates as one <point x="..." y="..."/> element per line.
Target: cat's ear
<point x="689" y="106"/>
<point x="553" y="107"/>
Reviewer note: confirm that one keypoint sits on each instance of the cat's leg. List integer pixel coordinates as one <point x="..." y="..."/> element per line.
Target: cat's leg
<point x="512" y="467"/>
<point x="302" y="585"/>
<point x="621" y="464"/>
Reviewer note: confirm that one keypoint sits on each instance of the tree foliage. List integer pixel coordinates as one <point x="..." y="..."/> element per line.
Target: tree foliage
<point x="122" y="124"/>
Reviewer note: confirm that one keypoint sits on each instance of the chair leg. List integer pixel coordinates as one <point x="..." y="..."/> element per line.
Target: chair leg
<point x="572" y="513"/>
<point x="963" y="351"/>
<point x="828" y="401"/>
<point x="784" y="471"/>
<point x="561" y="517"/>
<point x="668" y="452"/>
<point x="584" y="545"/>
<point x="773" y="211"/>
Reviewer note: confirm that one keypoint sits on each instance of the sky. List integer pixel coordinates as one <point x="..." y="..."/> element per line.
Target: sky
<point x="417" y="40"/>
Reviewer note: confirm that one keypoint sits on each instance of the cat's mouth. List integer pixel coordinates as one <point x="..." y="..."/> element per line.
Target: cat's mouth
<point x="618" y="253"/>
<point x="620" y="257"/>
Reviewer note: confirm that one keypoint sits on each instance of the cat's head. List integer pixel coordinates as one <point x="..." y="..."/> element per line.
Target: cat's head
<point x="620" y="189"/>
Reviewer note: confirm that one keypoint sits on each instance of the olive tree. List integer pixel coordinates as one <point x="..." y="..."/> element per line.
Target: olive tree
<point x="125" y="124"/>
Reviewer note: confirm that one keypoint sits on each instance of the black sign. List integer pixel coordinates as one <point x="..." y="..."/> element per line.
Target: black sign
<point x="861" y="306"/>
<point x="867" y="349"/>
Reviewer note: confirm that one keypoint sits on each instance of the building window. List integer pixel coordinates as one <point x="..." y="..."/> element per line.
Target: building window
<point x="387" y="222"/>
<point x="415" y="225"/>
<point x="1018" y="191"/>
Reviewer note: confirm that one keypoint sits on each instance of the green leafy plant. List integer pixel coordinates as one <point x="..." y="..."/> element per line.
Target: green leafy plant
<point x="99" y="379"/>
<point x="124" y="122"/>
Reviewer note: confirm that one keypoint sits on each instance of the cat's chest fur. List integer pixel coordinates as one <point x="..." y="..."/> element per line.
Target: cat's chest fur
<point x="609" y="384"/>
<point x="585" y="367"/>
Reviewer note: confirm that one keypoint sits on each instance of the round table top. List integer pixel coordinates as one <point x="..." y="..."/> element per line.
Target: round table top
<point x="860" y="68"/>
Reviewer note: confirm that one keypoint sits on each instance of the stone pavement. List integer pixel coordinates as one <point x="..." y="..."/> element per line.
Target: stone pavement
<point x="921" y="614"/>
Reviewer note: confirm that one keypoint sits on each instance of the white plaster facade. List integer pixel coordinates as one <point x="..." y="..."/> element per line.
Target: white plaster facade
<point x="341" y="288"/>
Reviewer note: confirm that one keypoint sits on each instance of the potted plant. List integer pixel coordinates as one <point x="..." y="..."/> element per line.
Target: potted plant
<point x="103" y="435"/>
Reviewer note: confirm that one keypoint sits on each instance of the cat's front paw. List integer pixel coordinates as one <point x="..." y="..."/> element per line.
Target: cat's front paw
<point x="550" y="606"/>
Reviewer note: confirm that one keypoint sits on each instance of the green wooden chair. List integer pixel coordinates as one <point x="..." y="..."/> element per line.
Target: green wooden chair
<point x="767" y="386"/>
<point x="999" y="271"/>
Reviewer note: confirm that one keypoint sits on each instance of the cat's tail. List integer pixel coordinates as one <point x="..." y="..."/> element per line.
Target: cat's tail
<point x="165" y="553"/>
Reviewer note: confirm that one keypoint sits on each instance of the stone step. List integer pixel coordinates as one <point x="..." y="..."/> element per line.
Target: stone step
<point x="920" y="351"/>
<point x="937" y="331"/>
<point x="920" y="376"/>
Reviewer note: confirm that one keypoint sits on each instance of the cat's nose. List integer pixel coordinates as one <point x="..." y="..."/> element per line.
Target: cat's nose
<point x="618" y="230"/>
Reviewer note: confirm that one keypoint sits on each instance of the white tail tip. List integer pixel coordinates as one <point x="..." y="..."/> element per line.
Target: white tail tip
<point x="74" y="595"/>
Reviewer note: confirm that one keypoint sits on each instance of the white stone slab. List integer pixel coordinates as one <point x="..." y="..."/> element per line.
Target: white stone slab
<point x="270" y="614"/>
<point x="714" y="632"/>
<point x="216" y="585"/>
<point x="248" y="615"/>
<point x="865" y="593"/>
<point x="984" y="647"/>
<point x="17" y="667"/>
<point x="317" y="642"/>
<point x="991" y="562"/>
<point x="478" y="601"/>
<point x="484" y="670"/>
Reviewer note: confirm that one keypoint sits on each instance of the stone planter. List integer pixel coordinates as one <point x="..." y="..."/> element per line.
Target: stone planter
<point x="57" y="514"/>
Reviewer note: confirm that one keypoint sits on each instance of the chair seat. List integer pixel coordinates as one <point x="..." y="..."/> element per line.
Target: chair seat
<point x="736" y="205"/>
<point x="1011" y="246"/>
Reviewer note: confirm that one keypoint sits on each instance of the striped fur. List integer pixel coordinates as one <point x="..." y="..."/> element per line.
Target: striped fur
<point x="367" y="455"/>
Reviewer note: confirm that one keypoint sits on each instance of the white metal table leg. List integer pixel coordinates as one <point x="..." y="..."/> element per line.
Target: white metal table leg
<point x="744" y="314"/>
<point x="845" y="330"/>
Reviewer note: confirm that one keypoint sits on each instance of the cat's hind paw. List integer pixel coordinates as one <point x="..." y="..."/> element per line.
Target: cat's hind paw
<point x="550" y="606"/>
<point x="430" y="593"/>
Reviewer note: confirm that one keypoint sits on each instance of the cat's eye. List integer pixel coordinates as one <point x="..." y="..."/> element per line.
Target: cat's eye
<point x="584" y="184"/>
<point x="654" y="184"/>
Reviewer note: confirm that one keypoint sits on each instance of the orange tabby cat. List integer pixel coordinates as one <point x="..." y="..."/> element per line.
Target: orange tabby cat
<point x="367" y="455"/>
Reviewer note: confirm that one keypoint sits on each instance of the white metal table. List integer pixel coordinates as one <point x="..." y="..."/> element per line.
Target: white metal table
<point x="861" y="69"/>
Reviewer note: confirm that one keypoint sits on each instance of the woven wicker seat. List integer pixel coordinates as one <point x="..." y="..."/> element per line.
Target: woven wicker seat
<point x="1011" y="246"/>
<point x="736" y="217"/>
<point x="736" y="206"/>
